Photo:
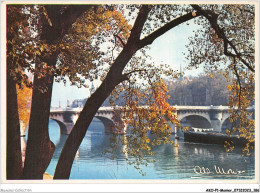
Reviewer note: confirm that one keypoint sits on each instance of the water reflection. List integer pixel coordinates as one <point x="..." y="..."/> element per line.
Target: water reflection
<point x="171" y="162"/>
<point x="180" y="163"/>
<point x="23" y="149"/>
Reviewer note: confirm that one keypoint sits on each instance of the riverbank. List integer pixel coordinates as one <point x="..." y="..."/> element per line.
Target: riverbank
<point x="47" y="176"/>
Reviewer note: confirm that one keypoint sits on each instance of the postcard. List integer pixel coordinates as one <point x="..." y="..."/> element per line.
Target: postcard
<point x="157" y="96"/>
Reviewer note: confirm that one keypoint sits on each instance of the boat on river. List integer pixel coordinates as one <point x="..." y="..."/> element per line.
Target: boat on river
<point x="211" y="137"/>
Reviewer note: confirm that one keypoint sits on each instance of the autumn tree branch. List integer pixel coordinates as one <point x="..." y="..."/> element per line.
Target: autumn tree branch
<point x="247" y="10"/>
<point x="61" y="21"/>
<point x="139" y="23"/>
<point x="212" y="18"/>
<point x="150" y="38"/>
<point x="239" y="94"/>
<point x="126" y="75"/>
<point x="132" y="44"/>
<point x="121" y="41"/>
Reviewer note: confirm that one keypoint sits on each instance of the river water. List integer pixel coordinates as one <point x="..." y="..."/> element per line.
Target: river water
<point x="187" y="161"/>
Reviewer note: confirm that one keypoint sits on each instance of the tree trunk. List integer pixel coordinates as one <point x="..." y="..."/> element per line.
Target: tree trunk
<point x="92" y="105"/>
<point x="14" y="156"/>
<point x="39" y="149"/>
<point x="113" y="78"/>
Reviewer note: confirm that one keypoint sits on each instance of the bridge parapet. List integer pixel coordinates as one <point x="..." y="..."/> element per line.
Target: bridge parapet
<point x="67" y="117"/>
<point x="216" y="115"/>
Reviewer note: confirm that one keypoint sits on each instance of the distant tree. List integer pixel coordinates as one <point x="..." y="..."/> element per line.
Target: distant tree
<point x="219" y="88"/>
<point x="206" y="89"/>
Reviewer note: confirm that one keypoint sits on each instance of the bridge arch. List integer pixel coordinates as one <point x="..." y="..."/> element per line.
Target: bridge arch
<point x="63" y="127"/>
<point x="198" y="121"/>
<point x="184" y="115"/>
<point x="108" y="124"/>
<point x="227" y="125"/>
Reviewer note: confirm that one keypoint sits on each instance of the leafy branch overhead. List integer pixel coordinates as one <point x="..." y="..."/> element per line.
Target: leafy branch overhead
<point x="212" y="17"/>
<point x="227" y="40"/>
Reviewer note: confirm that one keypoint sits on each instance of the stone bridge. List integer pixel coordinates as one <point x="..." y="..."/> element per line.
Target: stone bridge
<point x="197" y="116"/>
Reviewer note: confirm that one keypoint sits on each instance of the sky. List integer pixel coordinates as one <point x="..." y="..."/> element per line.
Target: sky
<point x="167" y="49"/>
